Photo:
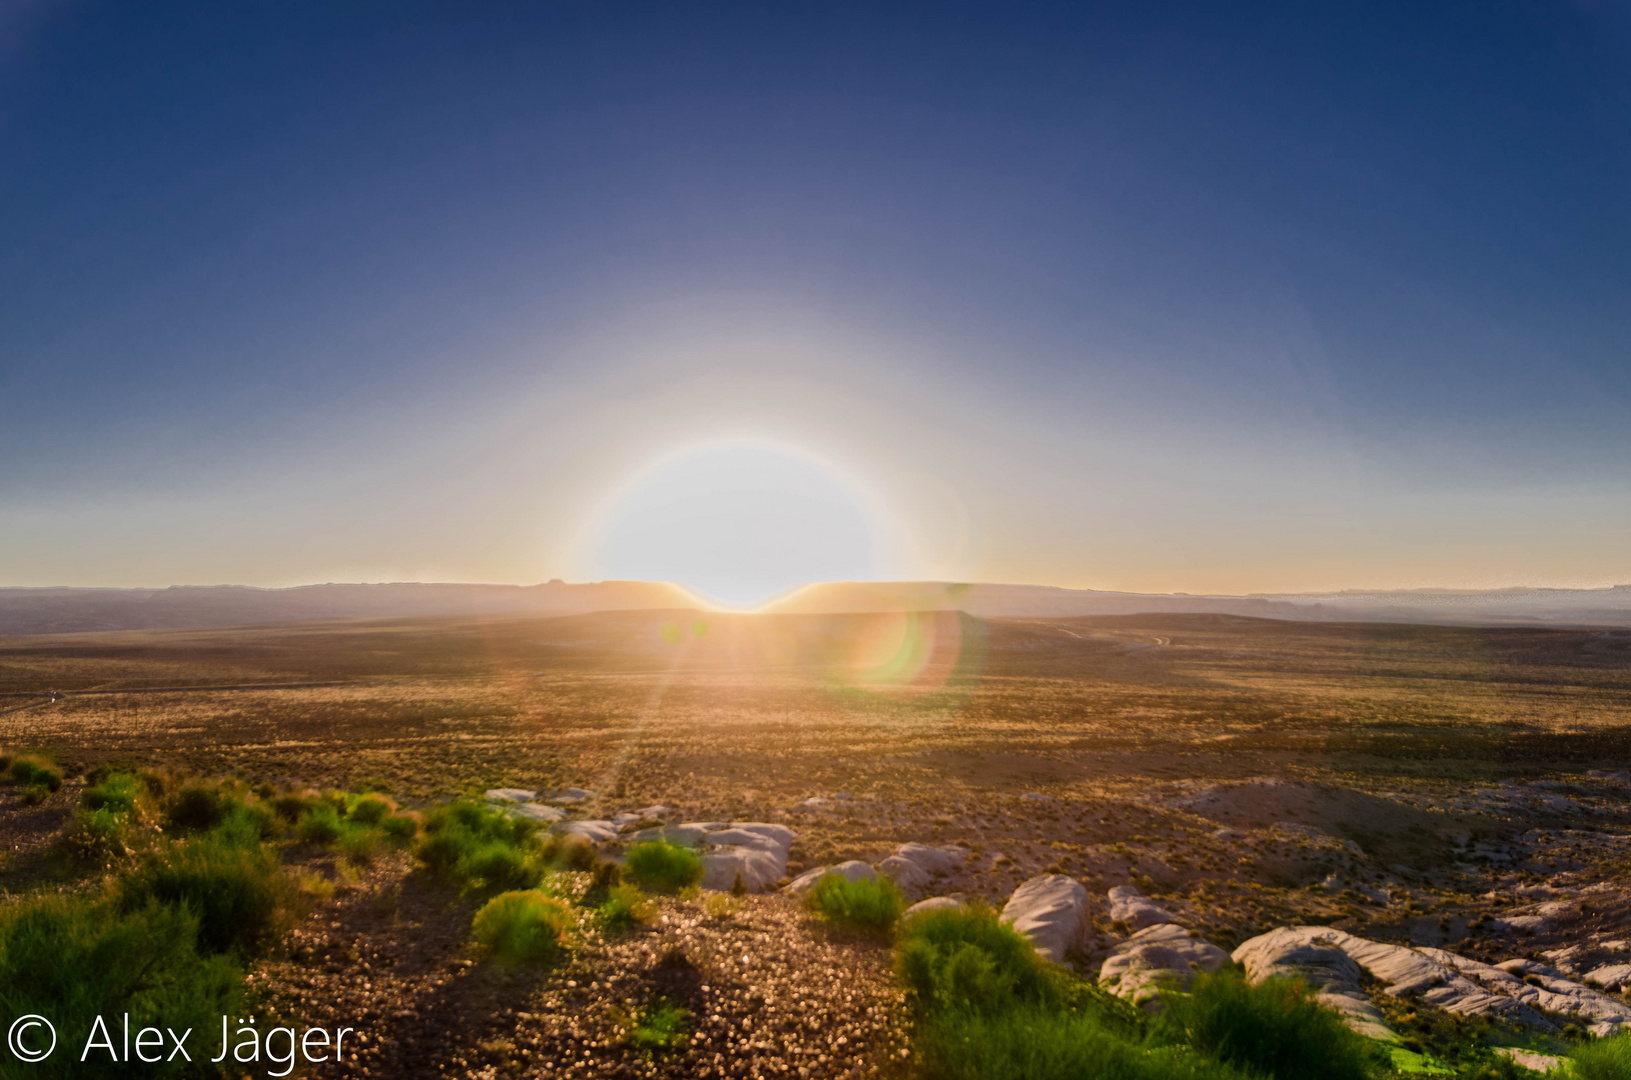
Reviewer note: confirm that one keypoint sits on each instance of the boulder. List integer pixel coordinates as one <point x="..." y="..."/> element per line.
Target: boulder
<point x="854" y="870"/>
<point x="757" y="869"/>
<point x="1128" y="905"/>
<point x="933" y="860"/>
<point x="535" y="812"/>
<point x="1053" y="911"/>
<point x="910" y="878"/>
<point x="596" y="832"/>
<point x="1530" y="1059"/>
<point x="933" y="903"/>
<point x="1331" y="973"/>
<point x="1156" y="957"/>
<point x="755" y="834"/>
<point x="510" y="795"/>
<point x="687" y="834"/>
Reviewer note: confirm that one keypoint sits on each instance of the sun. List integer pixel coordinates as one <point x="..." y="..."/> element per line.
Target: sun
<point x="739" y="523"/>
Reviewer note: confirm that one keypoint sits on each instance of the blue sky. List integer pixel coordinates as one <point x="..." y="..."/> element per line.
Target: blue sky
<point x="1165" y="297"/>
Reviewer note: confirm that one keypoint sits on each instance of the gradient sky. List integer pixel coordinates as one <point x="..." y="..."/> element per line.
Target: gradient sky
<point x="1138" y="296"/>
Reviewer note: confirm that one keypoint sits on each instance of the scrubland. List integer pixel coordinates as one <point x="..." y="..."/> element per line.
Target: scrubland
<point x="1423" y="785"/>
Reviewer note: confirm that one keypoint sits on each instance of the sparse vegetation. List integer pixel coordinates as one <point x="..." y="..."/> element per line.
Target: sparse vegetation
<point x="478" y="847"/>
<point x="663" y="867"/>
<point x="658" y="1028"/>
<point x="233" y="889"/>
<point x="1601" y="1059"/>
<point x="625" y="907"/>
<point x="526" y="925"/>
<point x="870" y="904"/>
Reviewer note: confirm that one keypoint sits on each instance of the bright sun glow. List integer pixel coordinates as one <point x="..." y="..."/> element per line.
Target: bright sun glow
<point x="739" y="523"/>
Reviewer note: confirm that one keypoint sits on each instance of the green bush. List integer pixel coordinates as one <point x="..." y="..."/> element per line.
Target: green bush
<point x="71" y="959"/>
<point x="320" y="826"/>
<point x="1275" y="1029"/>
<point x="658" y="1028"/>
<point x="35" y="794"/>
<point x="97" y="835"/>
<point x="290" y="808"/>
<point x="967" y="958"/>
<point x="1031" y="1042"/>
<point x="625" y="907"/>
<point x="116" y="792"/>
<point x="569" y="852"/>
<point x="32" y="770"/>
<point x="1601" y="1059"/>
<point x="400" y="827"/>
<point x="663" y="867"/>
<point x="197" y="808"/>
<point x="524" y="925"/>
<point x="478" y="847"/>
<point x="871" y="904"/>
<point x="369" y="810"/>
<point x="237" y="893"/>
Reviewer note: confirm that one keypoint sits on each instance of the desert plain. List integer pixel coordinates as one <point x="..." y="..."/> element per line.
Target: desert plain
<point x="1461" y="788"/>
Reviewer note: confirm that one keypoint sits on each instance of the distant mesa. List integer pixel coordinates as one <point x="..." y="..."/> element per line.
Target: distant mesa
<point x="68" y="610"/>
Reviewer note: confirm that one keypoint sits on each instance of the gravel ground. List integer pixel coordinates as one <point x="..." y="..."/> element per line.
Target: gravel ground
<point x="770" y="991"/>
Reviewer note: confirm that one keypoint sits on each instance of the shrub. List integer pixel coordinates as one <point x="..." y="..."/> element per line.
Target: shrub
<point x="400" y="827"/>
<point x="290" y="807"/>
<point x="369" y="810"/>
<point x="33" y="770"/>
<point x="1274" y="1029"/>
<point x="569" y="852"/>
<point x="871" y="904"/>
<point x="1031" y="1042"/>
<point x="1601" y="1059"/>
<point x="967" y="958"/>
<point x="625" y="907"/>
<point x="658" y="1027"/>
<point x="320" y="826"/>
<point x="663" y="867"/>
<point x="195" y="808"/>
<point x="237" y="894"/>
<point x="35" y="794"/>
<point x="525" y="925"/>
<point x="72" y="960"/>
<point x="116" y="792"/>
<point x="97" y="835"/>
<point x="478" y="847"/>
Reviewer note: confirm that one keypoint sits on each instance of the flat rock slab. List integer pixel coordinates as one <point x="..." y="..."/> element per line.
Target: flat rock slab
<point x="933" y="903"/>
<point x="1610" y="976"/>
<point x="754" y="869"/>
<point x="1530" y="1059"/>
<point x="535" y="812"/>
<point x="946" y="859"/>
<point x="596" y="832"/>
<point x="1053" y="911"/>
<point x="854" y="870"/>
<point x="1128" y="905"/>
<point x="1159" y="956"/>
<point x="571" y="795"/>
<point x="510" y="794"/>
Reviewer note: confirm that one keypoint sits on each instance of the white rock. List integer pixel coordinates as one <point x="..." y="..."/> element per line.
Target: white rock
<point x="688" y="834"/>
<point x="933" y="860"/>
<point x="1156" y="957"/>
<point x="854" y="870"/>
<point x="1610" y="976"/>
<point x="757" y="869"/>
<point x="1529" y="1059"/>
<point x="759" y="834"/>
<point x="535" y="812"/>
<point x="596" y="832"/>
<point x="1054" y="911"/>
<point x="1128" y="905"/>
<point x="933" y="903"/>
<point x="910" y="878"/>
<point x="571" y="795"/>
<point x="510" y="794"/>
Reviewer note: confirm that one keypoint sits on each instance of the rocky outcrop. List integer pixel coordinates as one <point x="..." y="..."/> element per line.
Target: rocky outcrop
<point x="1158" y="956"/>
<point x="510" y="795"/>
<point x="1330" y="972"/>
<point x="1053" y="911"/>
<point x="535" y="812"/>
<point x="1129" y="906"/>
<point x="1518" y="991"/>
<point x="853" y="870"/>
<point x="914" y="867"/>
<point x="750" y="853"/>
<point x="596" y="832"/>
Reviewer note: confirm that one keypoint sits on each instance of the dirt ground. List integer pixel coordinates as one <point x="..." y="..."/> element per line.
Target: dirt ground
<point x="1407" y="783"/>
